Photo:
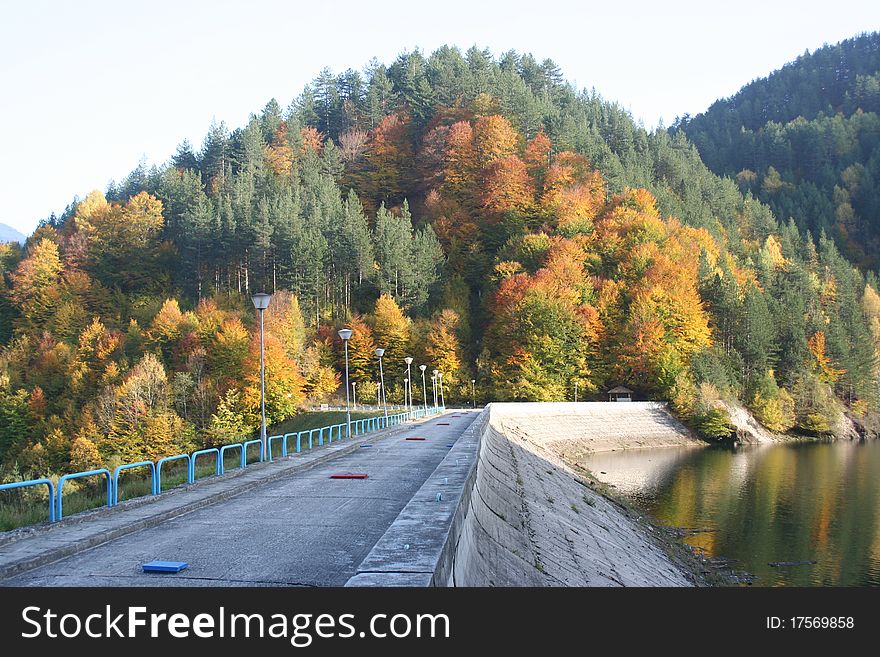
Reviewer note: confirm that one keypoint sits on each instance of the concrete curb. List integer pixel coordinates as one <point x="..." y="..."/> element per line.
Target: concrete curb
<point x="418" y="548"/>
<point x="52" y="543"/>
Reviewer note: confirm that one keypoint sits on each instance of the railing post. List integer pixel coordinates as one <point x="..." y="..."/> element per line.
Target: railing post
<point x="252" y="442"/>
<point x="222" y="457"/>
<point x="129" y="466"/>
<point x="36" y="482"/>
<point x="166" y="460"/>
<point x="192" y="462"/>
<point x="59" y="514"/>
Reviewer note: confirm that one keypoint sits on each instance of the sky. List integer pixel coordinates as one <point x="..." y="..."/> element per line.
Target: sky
<point x="90" y="88"/>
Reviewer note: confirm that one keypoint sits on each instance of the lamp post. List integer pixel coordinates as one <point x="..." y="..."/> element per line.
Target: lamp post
<point x="424" y="388"/>
<point x="434" y="386"/>
<point x="405" y="398"/>
<point x="261" y="302"/>
<point x="354" y="399"/>
<point x="380" y="353"/>
<point x="408" y="360"/>
<point x="474" y="391"/>
<point x="345" y="334"/>
<point x="575" y="391"/>
<point x="440" y="387"/>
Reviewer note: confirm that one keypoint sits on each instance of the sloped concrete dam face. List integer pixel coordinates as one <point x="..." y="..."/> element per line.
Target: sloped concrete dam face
<point x="530" y="521"/>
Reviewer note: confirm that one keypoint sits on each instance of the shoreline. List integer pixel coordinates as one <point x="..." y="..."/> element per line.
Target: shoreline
<point x="604" y="428"/>
<point x="705" y="571"/>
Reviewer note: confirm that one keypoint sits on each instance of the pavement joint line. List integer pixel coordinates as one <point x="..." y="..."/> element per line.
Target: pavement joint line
<point x="271" y="470"/>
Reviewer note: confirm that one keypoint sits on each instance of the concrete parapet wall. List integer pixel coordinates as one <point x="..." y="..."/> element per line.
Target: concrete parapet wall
<point x="572" y="430"/>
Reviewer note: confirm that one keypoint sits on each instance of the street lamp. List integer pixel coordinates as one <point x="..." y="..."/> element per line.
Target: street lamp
<point x="474" y="391"/>
<point x="261" y="302"/>
<point x="405" y="388"/>
<point x="345" y="334"/>
<point x="408" y="360"/>
<point x="440" y="387"/>
<point x="380" y="353"/>
<point x="434" y="386"/>
<point x="424" y="388"/>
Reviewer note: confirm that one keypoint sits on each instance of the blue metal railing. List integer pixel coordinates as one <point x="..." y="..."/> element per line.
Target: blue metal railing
<point x="129" y="466"/>
<point x="167" y="459"/>
<point x="248" y="443"/>
<point x="192" y="462"/>
<point x="358" y="427"/>
<point x="59" y="513"/>
<point x="223" y="449"/>
<point x="283" y="446"/>
<point x="36" y="482"/>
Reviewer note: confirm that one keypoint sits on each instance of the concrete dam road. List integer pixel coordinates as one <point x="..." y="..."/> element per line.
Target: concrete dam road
<point x="306" y="529"/>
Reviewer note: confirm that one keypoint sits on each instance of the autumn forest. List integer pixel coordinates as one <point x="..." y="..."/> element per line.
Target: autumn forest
<point x="475" y="212"/>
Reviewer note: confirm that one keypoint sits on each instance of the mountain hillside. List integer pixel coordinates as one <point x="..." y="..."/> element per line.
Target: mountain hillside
<point x="9" y="234"/>
<point x="477" y="213"/>
<point x="806" y="141"/>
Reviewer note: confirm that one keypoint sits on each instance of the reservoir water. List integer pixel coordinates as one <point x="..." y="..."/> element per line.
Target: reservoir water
<point x="772" y="509"/>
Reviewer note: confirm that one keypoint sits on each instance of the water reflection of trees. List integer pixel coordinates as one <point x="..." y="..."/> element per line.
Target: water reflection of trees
<point x="780" y="503"/>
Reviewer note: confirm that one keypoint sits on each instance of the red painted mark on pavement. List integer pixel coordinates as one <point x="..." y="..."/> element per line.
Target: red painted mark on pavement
<point x="349" y="475"/>
<point x="415" y="438"/>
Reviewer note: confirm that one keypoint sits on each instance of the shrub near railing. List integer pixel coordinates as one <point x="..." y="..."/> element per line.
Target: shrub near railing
<point x="220" y="466"/>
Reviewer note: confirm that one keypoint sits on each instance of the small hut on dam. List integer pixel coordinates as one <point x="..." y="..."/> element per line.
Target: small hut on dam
<point x="620" y="394"/>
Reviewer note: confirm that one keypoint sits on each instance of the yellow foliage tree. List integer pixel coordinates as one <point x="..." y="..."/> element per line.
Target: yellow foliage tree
<point x="284" y="320"/>
<point x="444" y="350"/>
<point x="284" y="383"/>
<point x="391" y="333"/>
<point x="494" y="139"/>
<point x="821" y="361"/>
<point x="84" y="455"/>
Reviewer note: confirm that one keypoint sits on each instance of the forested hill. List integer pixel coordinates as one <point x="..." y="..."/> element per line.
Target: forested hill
<point x="806" y="140"/>
<point x="475" y="212"/>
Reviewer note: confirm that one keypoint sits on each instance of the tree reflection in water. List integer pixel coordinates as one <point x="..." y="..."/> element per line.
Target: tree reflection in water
<point x="765" y="504"/>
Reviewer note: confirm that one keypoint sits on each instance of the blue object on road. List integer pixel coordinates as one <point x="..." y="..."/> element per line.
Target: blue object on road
<point x="165" y="566"/>
<point x="366" y="445"/>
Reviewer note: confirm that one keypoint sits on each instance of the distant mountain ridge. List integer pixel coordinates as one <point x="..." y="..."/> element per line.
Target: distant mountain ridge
<point x="9" y="234"/>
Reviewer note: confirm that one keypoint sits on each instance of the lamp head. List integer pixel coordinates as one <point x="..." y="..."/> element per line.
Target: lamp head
<point x="408" y="360"/>
<point x="345" y="333"/>
<point x="423" y="367"/>
<point x="261" y="300"/>
<point x="436" y="372"/>
<point x="380" y="352"/>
